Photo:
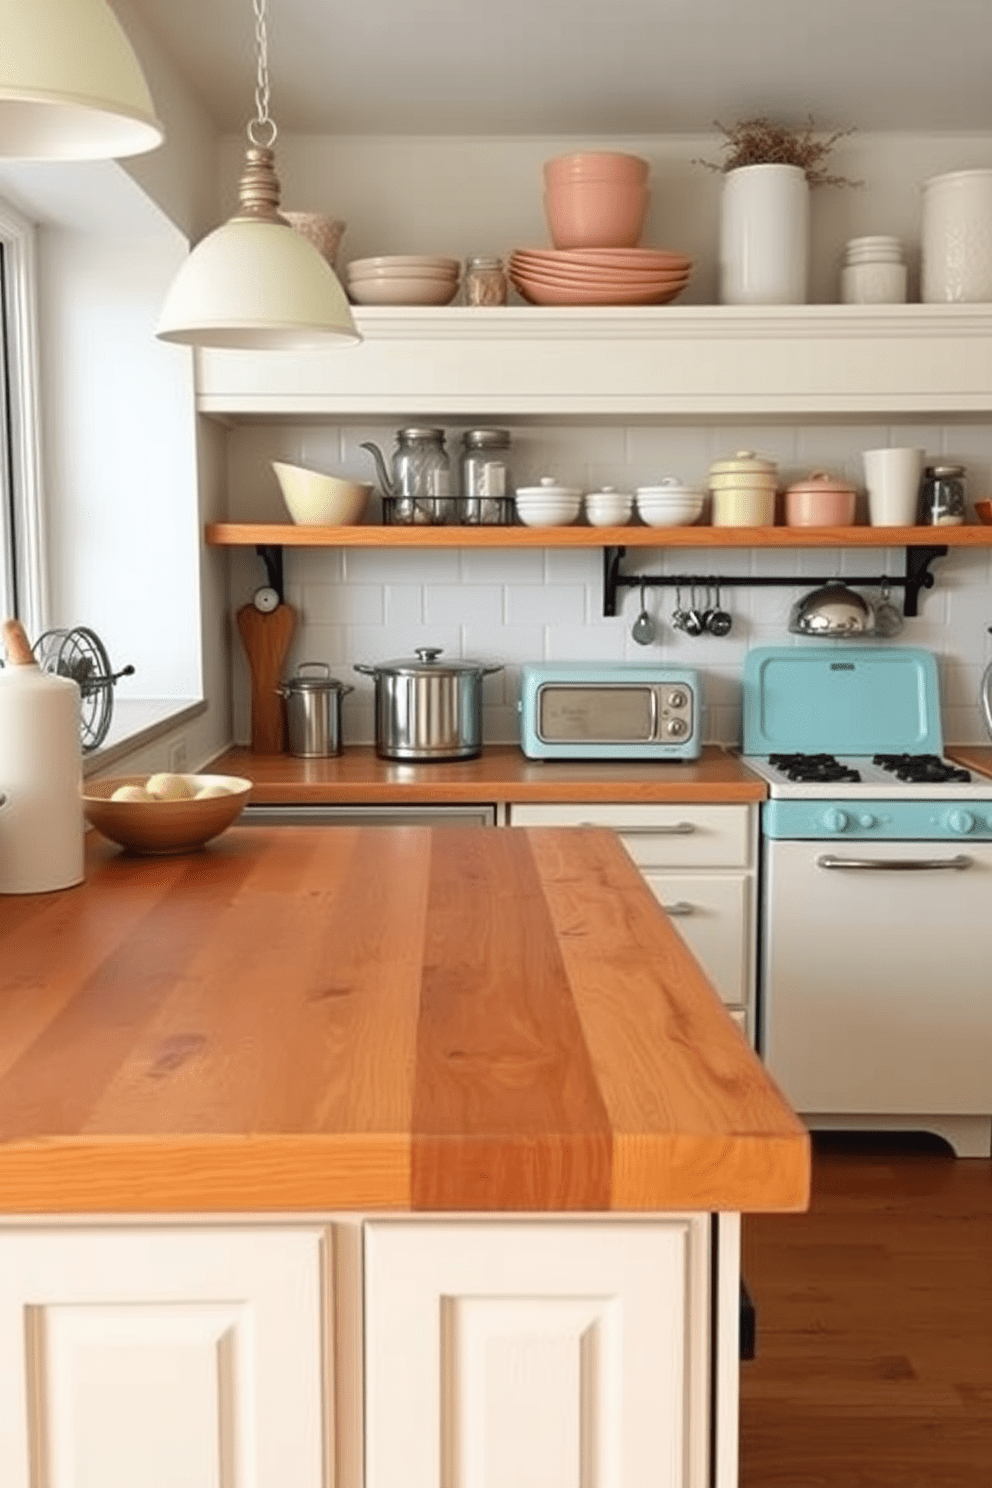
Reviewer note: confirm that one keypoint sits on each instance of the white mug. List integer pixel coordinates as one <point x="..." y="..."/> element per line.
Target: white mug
<point x="893" y="480"/>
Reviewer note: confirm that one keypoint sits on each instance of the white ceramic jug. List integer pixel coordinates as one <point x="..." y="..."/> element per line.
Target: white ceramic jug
<point x="41" y="819"/>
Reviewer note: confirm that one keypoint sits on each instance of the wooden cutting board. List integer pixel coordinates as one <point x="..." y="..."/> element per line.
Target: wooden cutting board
<point x="266" y="640"/>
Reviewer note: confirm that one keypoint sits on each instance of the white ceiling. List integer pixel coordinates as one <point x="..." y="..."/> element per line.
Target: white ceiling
<point x="590" y="68"/>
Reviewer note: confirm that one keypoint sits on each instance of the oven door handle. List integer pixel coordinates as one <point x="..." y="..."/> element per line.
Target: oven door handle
<point x="905" y="865"/>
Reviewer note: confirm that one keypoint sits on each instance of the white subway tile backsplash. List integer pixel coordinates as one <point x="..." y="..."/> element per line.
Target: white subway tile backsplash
<point x="546" y="603"/>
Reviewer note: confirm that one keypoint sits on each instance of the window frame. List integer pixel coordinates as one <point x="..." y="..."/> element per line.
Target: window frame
<point x="22" y="522"/>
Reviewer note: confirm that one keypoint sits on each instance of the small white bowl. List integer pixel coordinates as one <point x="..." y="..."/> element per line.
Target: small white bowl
<point x="318" y="500"/>
<point x="551" y="515"/>
<point x="410" y="262"/>
<point x="366" y="276"/>
<point x="608" y="508"/>
<point x="669" y="510"/>
<point x="413" y="290"/>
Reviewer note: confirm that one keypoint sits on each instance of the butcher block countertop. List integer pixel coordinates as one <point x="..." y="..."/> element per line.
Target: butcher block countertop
<point x="375" y="1018"/>
<point x="500" y="773"/>
<point x="972" y="756"/>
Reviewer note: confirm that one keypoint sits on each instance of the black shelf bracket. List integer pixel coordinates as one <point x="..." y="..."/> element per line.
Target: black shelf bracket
<point x="271" y="556"/>
<point x="915" y="577"/>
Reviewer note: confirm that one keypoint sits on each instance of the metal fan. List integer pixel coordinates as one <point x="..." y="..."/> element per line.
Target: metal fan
<point x="80" y="654"/>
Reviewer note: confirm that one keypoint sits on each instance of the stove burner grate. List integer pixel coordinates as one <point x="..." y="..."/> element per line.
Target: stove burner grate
<point x="922" y="769"/>
<point x="814" y="769"/>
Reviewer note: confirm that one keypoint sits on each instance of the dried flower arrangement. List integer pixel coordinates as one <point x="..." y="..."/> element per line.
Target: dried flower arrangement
<point x="759" y="141"/>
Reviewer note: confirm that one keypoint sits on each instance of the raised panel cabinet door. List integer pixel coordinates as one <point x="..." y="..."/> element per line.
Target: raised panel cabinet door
<point x="538" y="1354"/>
<point x="162" y="1357"/>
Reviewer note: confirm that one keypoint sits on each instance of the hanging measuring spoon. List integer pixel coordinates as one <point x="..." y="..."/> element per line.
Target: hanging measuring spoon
<point x="644" y="628"/>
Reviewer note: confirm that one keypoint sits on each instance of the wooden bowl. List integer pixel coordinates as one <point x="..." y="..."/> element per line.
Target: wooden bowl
<point x="164" y="826"/>
<point x="983" y="511"/>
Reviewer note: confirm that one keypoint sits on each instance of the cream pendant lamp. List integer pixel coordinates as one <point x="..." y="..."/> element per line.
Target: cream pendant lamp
<point x="70" y="85"/>
<point x="255" y="283"/>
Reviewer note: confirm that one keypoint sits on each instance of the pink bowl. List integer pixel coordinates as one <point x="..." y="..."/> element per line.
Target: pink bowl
<point x="596" y="165"/>
<point x="596" y="214"/>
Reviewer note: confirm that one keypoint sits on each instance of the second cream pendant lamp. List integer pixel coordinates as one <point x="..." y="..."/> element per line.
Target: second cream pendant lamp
<point x="70" y="84"/>
<point x="255" y="283"/>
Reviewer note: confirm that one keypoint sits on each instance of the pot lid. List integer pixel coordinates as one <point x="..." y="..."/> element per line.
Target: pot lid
<point x="301" y="681"/>
<point x="743" y="461"/>
<point x="426" y="663"/>
<point x="822" y="480"/>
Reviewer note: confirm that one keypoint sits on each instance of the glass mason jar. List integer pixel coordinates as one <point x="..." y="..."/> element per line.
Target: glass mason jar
<point x="422" y="478"/>
<point x="484" y="282"/>
<point x="942" y="496"/>
<point x="487" y="489"/>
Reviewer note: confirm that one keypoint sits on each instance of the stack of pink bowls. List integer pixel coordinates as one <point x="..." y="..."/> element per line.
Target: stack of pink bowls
<point x="596" y="200"/>
<point x="598" y="276"/>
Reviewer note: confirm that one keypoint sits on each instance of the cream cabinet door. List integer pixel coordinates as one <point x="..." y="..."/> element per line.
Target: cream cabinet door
<point x="162" y="1357"/>
<point x="537" y="1354"/>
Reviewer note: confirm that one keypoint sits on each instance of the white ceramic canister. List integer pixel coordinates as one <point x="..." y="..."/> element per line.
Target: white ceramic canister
<point x="764" y="236"/>
<point x="956" y="238"/>
<point x="873" y="272"/>
<point x="41" y="819"/>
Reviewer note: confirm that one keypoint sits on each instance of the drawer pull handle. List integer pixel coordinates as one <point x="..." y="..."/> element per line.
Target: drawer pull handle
<point x="679" y="909"/>
<point x="911" y="865"/>
<point x="677" y="829"/>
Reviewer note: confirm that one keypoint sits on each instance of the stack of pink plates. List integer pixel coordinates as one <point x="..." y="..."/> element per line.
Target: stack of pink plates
<point x="599" y="276"/>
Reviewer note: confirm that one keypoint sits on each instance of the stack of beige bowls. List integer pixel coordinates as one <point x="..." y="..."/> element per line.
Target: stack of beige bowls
<point x="743" y="491"/>
<point x="403" y="279"/>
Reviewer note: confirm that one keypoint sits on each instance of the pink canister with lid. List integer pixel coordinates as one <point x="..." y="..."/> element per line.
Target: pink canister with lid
<point x="820" y="501"/>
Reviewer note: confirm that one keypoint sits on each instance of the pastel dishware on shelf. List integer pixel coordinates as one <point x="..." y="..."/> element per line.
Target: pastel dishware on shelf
<point x="596" y="165"/>
<point x="608" y="507"/>
<point x="820" y="501"/>
<point x="403" y="279"/>
<point x="318" y="500"/>
<point x="548" y="504"/>
<point x="669" y="503"/>
<point x="598" y="277"/>
<point x="190" y="812"/>
<point x="743" y="491"/>
<point x="595" y="214"/>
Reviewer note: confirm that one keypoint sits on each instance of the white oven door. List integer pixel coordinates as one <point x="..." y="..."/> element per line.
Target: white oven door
<point x="877" y="979"/>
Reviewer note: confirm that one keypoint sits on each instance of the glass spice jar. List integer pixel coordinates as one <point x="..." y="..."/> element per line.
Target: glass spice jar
<point x="942" y="496"/>
<point x="484" y="282"/>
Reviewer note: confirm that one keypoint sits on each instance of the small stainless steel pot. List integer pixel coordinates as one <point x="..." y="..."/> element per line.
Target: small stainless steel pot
<point x="426" y="709"/>
<point x="313" y="710"/>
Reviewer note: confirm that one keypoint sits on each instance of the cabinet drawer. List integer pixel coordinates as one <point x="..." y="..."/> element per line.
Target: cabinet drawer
<point x="659" y="835"/>
<point x="712" y="913"/>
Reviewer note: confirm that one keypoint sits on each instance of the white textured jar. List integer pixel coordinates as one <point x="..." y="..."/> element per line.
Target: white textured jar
<point x="956" y="238"/>
<point x="873" y="272"/>
<point x="764" y="236"/>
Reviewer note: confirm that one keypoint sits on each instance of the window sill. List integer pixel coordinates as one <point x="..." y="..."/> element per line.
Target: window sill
<point x="137" y="722"/>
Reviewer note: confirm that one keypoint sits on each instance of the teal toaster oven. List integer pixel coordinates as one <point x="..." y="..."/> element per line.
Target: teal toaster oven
<point x="583" y="710"/>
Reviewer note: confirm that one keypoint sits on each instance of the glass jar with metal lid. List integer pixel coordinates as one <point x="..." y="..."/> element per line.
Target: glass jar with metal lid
<point x="484" y="282"/>
<point x="942" y="496"/>
<point x="487" y="488"/>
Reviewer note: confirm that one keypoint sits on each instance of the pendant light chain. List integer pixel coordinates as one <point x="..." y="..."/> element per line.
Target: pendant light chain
<point x="262" y="129"/>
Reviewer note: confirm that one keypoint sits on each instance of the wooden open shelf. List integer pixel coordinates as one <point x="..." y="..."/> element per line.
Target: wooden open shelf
<point x="287" y="535"/>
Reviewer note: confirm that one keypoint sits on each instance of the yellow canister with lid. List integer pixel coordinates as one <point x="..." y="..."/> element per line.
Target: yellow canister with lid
<point x="743" y="491"/>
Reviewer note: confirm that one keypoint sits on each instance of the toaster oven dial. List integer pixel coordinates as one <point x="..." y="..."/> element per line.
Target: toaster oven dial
<point x="677" y="698"/>
<point x="676" y="728"/>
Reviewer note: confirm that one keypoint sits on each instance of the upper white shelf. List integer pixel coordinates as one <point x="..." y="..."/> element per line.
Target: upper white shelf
<point x="665" y="361"/>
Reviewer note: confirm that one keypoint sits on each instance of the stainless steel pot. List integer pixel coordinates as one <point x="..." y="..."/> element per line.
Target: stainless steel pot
<point x="833" y="610"/>
<point x="426" y="709"/>
<point x="313" y="710"/>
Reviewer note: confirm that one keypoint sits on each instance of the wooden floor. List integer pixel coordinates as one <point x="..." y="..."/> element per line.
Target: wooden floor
<point x="874" y="1317"/>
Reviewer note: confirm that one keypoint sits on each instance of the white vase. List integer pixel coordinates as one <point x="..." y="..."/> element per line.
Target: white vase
<point x="956" y="238"/>
<point x="764" y="236"/>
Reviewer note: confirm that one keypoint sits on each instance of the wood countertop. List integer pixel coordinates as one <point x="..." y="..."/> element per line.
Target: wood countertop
<point x="501" y="773"/>
<point x="972" y="756"/>
<point x="387" y="1018"/>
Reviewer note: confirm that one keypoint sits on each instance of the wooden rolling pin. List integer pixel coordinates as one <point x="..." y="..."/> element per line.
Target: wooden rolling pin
<point x="266" y="638"/>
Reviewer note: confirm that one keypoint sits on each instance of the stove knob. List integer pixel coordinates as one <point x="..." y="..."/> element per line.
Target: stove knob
<point x="867" y="820"/>
<point x="834" y="820"/>
<point x="961" y="822"/>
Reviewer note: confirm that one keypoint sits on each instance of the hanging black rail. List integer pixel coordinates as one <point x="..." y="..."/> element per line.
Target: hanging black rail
<point x="916" y="576"/>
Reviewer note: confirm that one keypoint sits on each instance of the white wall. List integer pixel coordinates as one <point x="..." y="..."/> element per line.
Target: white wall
<point x="470" y="196"/>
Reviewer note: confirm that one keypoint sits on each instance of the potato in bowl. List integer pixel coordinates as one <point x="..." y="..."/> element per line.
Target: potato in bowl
<point x="164" y="813"/>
